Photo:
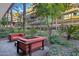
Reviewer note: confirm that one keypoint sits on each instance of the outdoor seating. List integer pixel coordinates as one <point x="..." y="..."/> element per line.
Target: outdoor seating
<point x="13" y="37"/>
<point x="30" y="45"/>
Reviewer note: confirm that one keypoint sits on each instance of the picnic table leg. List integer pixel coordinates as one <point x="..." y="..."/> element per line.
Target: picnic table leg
<point x="42" y="44"/>
<point x="9" y="37"/>
<point x="29" y="51"/>
<point x="17" y="46"/>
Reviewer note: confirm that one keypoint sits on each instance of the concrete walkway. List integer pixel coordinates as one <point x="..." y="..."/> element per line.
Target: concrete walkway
<point x="9" y="49"/>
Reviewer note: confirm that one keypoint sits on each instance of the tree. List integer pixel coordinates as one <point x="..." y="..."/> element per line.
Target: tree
<point x="24" y="16"/>
<point x="4" y="21"/>
<point x="49" y="12"/>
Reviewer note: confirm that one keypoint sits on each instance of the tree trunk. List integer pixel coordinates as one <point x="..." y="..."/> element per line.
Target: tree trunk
<point x="56" y="23"/>
<point x="7" y="19"/>
<point x="11" y="24"/>
<point x="24" y="15"/>
<point x="49" y="28"/>
<point x="68" y="37"/>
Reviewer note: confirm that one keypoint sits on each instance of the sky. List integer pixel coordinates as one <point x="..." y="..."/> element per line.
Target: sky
<point x="19" y="7"/>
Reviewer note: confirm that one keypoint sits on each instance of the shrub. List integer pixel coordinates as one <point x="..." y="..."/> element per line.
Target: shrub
<point x="4" y="21"/>
<point x="58" y="50"/>
<point x="16" y="30"/>
<point x="41" y="33"/>
<point x="75" y="52"/>
<point x="31" y="33"/>
<point x="56" y="40"/>
<point x="4" y="34"/>
<point x="70" y="30"/>
<point x="76" y="35"/>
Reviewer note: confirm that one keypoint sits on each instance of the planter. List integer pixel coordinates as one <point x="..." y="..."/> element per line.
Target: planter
<point x="29" y="45"/>
<point x="12" y="37"/>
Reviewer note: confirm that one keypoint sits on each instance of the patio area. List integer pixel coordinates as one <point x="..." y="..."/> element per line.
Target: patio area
<point x="9" y="49"/>
<point x="38" y="29"/>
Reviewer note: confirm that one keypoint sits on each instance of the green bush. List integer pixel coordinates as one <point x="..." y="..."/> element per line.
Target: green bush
<point x="58" y="50"/>
<point x="70" y="30"/>
<point x="41" y="33"/>
<point x="75" y="52"/>
<point x="3" y="21"/>
<point x="16" y="30"/>
<point x="31" y="33"/>
<point x="76" y="35"/>
<point x="4" y="34"/>
<point x="61" y="47"/>
<point x="56" y="40"/>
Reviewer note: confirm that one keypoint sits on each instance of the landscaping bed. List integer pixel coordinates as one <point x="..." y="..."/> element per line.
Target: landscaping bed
<point x="62" y="47"/>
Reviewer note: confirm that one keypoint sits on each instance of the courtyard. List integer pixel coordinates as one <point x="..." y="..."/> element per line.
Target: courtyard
<point x="39" y="29"/>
